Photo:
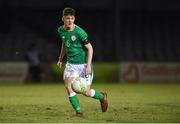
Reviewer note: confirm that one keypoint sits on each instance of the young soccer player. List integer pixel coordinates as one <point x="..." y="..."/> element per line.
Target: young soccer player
<point x="79" y="52"/>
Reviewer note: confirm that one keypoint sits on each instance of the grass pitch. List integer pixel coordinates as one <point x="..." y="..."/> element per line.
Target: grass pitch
<point x="45" y="103"/>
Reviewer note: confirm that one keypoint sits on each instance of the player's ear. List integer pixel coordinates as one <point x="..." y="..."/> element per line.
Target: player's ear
<point x="63" y="18"/>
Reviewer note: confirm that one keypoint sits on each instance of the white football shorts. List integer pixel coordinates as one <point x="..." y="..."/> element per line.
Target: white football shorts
<point x="75" y="70"/>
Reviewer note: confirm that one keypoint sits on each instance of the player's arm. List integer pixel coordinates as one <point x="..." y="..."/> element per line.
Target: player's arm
<point x="61" y="56"/>
<point x="90" y="55"/>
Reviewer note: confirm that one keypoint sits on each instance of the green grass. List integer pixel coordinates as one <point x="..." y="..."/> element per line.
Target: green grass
<point x="45" y="103"/>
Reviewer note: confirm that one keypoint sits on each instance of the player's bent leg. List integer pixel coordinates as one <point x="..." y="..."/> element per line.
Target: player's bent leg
<point x="72" y="96"/>
<point x="102" y="97"/>
<point x="88" y="92"/>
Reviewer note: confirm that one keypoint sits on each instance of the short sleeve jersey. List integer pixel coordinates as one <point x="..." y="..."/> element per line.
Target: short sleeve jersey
<point x="74" y="44"/>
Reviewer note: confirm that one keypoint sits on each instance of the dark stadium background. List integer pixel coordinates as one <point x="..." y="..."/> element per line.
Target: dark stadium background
<point x="126" y="30"/>
<point x="119" y="30"/>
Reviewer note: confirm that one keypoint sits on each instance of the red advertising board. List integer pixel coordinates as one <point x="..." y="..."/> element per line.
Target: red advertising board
<point x="150" y="72"/>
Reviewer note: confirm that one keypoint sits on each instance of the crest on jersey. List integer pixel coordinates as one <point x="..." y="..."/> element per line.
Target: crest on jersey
<point x="73" y="38"/>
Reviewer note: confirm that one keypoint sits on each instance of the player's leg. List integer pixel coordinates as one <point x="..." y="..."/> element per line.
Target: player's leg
<point x="102" y="97"/>
<point x="72" y="95"/>
<point x="93" y="93"/>
<point x="69" y="75"/>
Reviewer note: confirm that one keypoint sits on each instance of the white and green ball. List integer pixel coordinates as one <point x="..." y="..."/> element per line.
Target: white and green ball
<point x="79" y="85"/>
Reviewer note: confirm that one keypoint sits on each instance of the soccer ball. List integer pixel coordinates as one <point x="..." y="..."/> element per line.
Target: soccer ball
<point x="79" y="85"/>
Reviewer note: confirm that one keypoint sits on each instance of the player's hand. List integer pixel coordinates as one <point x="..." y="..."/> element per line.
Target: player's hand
<point x="60" y="64"/>
<point x="88" y="70"/>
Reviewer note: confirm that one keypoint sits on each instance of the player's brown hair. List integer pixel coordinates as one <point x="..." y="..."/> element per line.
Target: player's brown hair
<point x="68" y="11"/>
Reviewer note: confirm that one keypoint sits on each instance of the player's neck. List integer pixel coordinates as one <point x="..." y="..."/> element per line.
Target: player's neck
<point x="70" y="28"/>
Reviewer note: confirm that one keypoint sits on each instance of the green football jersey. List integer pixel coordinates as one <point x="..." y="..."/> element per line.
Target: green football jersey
<point x="73" y="40"/>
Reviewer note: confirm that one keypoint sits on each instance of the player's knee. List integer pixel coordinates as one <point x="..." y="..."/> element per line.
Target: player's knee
<point x="68" y="82"/>
<point x="68" y="88"/>
<point x="88" y="93"/>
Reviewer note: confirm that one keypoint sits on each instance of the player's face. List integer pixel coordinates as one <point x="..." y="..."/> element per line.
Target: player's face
<point x="68" y="21"/>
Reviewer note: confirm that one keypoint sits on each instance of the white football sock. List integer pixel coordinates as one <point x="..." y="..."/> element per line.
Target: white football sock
<point x="92" y="92"/>
<point x="72" y="94"/>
